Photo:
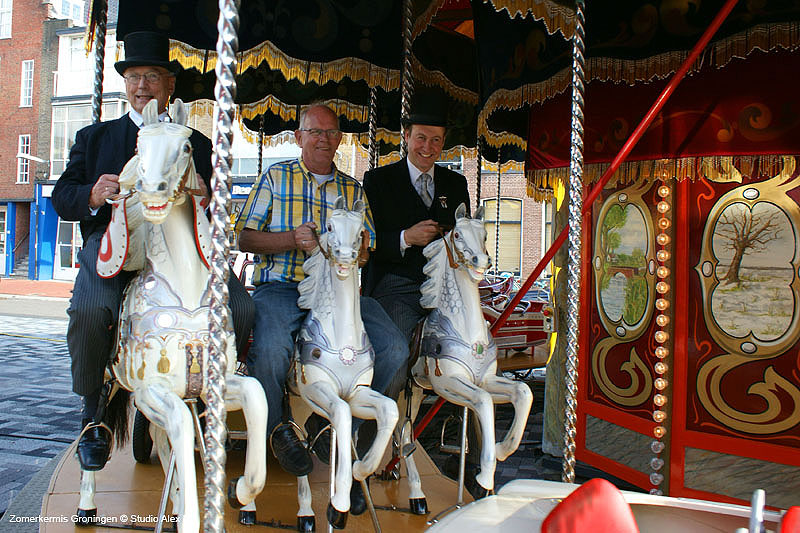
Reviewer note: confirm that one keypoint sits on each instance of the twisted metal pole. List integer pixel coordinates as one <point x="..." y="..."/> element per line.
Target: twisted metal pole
<point x="478" y="177"/>
<point x="574" y="263"/>
<point x="497" y="218"/>
<point x="225" y="92"/>
<point x="373" y="127"/>
<point x="407" y="90"/>
<point x="260" y="146"/>
<point x="99" y="56"/>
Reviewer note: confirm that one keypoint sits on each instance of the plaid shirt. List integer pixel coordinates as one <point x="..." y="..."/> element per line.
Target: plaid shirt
<point x="286" y="196"/>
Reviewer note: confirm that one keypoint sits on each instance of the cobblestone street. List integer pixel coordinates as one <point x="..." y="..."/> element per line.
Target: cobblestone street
<point x="39" y="414"/>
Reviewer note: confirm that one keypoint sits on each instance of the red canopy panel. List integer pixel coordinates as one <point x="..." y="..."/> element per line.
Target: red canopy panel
<point x="750" y="107"/>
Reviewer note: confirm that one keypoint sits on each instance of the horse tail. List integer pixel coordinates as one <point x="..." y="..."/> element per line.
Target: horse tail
<point x="117" y="416"/>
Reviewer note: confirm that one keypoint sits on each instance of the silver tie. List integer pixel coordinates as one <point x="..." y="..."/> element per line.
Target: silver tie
<point x="424" y="181"/>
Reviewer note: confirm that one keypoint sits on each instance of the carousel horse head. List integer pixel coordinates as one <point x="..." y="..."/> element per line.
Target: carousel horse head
<point x="165" y="168"/>
<point x="468" y="243"/>
<point x="343" y="241"/>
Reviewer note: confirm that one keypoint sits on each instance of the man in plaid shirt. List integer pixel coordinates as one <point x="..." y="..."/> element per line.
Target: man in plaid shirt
<point x="290" y="201"/>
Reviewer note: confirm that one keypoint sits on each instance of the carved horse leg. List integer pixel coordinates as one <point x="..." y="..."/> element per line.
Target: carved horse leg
<point x="245" y="394"/>
<point x="504" y="390"/>
<point x="404" y="434"/>
<point x="87" y="509"/>
<point x="164" y="408"/>
<point x="305" y="514"/>
<point x="325" y="401"/>
<point x="368" y="404"/>
<point x="460" y="391"/>
<point x="164" y="450"/>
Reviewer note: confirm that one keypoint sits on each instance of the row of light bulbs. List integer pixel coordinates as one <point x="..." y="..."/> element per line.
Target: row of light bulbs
<point x="661" y="337"/>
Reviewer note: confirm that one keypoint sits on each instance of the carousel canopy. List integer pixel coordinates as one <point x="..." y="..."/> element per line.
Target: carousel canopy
<point x="489" y="61"/>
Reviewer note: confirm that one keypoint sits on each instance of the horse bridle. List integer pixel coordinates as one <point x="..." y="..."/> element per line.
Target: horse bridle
<point x="454" y="264"/>
<point x="178" y="191"/>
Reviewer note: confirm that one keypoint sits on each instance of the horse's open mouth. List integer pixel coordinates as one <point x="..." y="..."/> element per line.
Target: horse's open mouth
<point x="160" y="207"/>
<point x="343" y="270"/>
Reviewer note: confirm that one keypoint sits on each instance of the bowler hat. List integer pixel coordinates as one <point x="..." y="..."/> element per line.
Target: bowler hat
<point x="146" y="49"/>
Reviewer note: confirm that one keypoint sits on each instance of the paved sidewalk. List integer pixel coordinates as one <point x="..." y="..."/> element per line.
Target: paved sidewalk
<point x="36" y="288"/>
<point x="34" y="298"/>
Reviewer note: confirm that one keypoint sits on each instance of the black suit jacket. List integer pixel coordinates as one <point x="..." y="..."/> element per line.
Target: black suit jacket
<point x="396" y="206"/>
<point x="104" y="148"/>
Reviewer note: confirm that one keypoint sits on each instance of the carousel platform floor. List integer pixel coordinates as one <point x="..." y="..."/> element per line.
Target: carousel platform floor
<point x="127" y="490"/>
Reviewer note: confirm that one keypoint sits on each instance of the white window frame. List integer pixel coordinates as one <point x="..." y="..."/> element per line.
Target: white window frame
<point x="26" y="84"/>
<point x="24" y="165"/>
<point x="5" y="19"/>
<point x="489" y="215"/>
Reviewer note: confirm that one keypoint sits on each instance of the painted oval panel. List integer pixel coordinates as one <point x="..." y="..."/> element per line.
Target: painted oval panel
<point x="754" y="248"/>
<point x="624" y="243"/>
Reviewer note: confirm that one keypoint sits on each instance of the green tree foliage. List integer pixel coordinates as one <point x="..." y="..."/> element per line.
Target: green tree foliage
<point x="635" y="300"/>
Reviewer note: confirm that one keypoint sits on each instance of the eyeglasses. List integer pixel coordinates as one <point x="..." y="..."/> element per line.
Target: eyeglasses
<point x="317" y="133"/>
<point x="150" y="77"/>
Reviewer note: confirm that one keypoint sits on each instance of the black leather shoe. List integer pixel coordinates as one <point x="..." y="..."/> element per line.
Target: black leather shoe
<point x="290" y="451"/>
<point x="358" y="502"/>
<point x="94" y="447"/>
<point x="322" y="444"/>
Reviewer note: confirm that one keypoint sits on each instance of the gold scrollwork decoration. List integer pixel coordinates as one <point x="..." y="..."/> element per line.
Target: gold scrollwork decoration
<point x="639" y="389"/>
<point x="765" y="422"/>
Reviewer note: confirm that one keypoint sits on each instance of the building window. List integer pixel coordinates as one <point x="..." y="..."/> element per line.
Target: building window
<point x="5" y="19"/>
<point x="26" y="87"/>
<point x="67" y="120"/>
<point x="508" y="256"/>
<point x="24" y="165"/>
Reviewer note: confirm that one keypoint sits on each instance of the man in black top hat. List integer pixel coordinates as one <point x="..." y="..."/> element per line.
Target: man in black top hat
<point x="91" y="177"/>
<point x="412" y="202"/>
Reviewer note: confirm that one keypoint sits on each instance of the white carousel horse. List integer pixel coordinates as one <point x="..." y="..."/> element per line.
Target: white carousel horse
<point x="159" y="229"/>
<point x="458" y="357"/>
<point x="334" y="359"/>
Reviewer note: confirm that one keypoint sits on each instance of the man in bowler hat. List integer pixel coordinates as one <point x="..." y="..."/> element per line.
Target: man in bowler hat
<point x="91" y="177"/>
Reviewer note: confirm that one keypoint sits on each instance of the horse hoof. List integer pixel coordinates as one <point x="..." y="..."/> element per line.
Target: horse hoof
<point x="247" y="518"/>
<point x="85" y="517"/>
<point x="337" y="519"/>
<point x="418" y="505"/>
<point x="233" y="500"/>
<point x="305" y="523"/>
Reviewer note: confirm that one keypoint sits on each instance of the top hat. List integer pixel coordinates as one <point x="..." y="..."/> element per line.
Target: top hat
<point x="424" y="119"/>
<point x="427" y="110"/>
<point x="146" y="49"/>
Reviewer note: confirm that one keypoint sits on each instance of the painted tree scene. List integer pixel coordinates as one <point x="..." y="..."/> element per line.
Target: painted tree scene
<point x="623" y="244"/>
<point x="754" y="248"/>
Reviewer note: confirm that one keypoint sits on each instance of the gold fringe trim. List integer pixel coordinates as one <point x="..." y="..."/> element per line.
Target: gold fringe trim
<point x="435" y="78"/>
<point x="291" y="68"/>
<point x="424" y="20"/>
<point x="713" y="168"/>
<point x="555" y="17"/>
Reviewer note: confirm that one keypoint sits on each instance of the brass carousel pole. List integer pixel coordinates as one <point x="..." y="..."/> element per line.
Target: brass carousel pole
<point x="100" y="7"/>
<point x="574" y="263"/>
<point x="407" y="82"/>
<point x="225" y="92"/>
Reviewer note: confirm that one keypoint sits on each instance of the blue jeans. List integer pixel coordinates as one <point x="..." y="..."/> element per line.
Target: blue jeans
<point x="278" y="319"/>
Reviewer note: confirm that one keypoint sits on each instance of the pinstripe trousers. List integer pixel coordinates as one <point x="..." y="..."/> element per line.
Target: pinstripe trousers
<point x="399" y="297"/>
<point x="93" y="312"/>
